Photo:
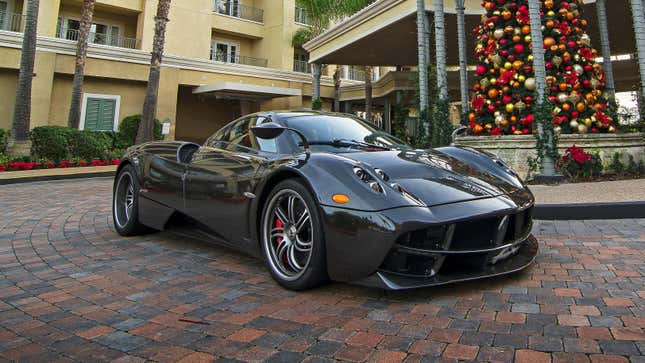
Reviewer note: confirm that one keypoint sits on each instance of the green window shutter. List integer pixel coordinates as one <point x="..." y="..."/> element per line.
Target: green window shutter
<point x="99" y="114"/>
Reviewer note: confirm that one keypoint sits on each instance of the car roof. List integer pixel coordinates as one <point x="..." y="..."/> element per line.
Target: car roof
<point x="282" y="115"/>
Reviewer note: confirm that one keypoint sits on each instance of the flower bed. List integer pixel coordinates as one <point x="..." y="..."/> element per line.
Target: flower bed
<point x="33" y="165"/>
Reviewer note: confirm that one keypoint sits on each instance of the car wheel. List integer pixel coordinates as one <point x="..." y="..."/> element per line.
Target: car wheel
<point x="291" y="235"/>
<point x="125" y="203"/>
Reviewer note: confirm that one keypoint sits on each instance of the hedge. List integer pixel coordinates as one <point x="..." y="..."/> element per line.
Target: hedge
<point x="58" y="143"/>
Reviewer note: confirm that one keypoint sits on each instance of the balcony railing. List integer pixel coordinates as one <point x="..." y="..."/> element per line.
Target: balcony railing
<point x="234" y="8"/>
<point x="101" y="38"/>
<point x="355" y="74"/>
<point x="301" y="66"/>
<point x="12" y="22"/>
<point x="239" y="59"/>
<point x="301" y="16"/>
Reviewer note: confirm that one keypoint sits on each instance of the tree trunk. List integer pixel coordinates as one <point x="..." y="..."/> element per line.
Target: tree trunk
<point x="146" y="127"/>
<point x="87" y="13"/>
<point x="337" y="83"/>
<point x="22" y="107"/>
<point x="605" y="47"/>
<point x="463" y="56"/>
<point x="440" y="45"/>
<point x="315" y="84"/>
<point x="368" y="92"/>
<point x="537" y="42"/>
<point x="639" y="29"/>
<point x="421" y="52"/>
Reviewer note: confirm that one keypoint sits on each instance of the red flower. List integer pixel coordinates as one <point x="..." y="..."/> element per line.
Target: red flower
<point x="65" y="164"/>
<point x="3" y="167"/>
<point x="496" y="131"/>
<point x="116" y="161"/>
<point x="82" y="163"/>
<point x="48" y="165"/>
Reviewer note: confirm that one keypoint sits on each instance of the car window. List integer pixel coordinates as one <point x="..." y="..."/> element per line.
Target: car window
<point x="237" y="137"/>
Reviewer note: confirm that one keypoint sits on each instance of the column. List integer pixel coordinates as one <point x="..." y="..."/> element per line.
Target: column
<point x="638" y="16"/>
<point x="440" y="46"/>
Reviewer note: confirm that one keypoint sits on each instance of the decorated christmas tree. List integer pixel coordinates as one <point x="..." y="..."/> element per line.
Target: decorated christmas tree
<point x="504" y="89"/>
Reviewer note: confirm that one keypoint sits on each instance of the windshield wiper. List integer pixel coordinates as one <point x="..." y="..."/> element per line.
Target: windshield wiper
<point x="346" y="142"/>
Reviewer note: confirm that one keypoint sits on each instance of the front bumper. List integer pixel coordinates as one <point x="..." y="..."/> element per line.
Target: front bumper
<point x="525" y="255"/>
<point x="362" y="247"/>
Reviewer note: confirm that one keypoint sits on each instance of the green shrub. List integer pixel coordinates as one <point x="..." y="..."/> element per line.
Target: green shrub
<point x="316" y="104"/>
<point x="128" y="131"/>
<point x="89" y="145"/>
<point x="617" y="165"/>
<point x="50" y="142"/>
<point x="4" y="137"/>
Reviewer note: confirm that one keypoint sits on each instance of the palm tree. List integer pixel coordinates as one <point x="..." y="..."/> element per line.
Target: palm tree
<point x="639" y="28"/>
<point x="537" y="42"/>
<point x="440" y="49"/>
<point x="463" y="58"/>
<point x="146" y="126"/>
<point x="368" y="92"/>
<point x="22" y="107"/>
<point x="421" y="51"/>
<point x="322" y="14"/>
<point x="87" y="13"/>
<point x="605" y="46"/>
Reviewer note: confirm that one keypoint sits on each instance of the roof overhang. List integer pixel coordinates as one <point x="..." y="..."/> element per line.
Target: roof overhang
<point x="245" y="91"/>
<point x="385" y="33"/>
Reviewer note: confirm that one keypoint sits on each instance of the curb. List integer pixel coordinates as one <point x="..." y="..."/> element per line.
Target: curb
<point x="31" y="179"/>
<point x="583" y="211"/>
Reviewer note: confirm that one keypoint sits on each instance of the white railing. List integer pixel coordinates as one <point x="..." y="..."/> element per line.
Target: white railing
<point x="301" y="66"/>
<point x="12" y="22"/>
<point x="234" y="8"/>
<point x="238" y="59"/>
<point x="101" y="38"/>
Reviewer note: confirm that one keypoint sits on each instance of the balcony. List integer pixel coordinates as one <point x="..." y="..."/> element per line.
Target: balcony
<point x="238" y="59"/>
<point x="235" y="9"/>
<point x="12" y="22"/>
<point x="301" y="66"/>
<point x="301" y="16"/>
<point x="101" y="39"/>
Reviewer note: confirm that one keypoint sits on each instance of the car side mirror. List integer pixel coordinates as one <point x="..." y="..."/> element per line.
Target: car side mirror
<point x="271" y="130"/>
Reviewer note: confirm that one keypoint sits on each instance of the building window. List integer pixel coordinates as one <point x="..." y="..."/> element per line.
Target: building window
<point x="227" y="52"/>
<point x="301" y="16"/>
<point x="228" y="7"/>
<point x="100" y="112"/>
<point x="301" y="61"/>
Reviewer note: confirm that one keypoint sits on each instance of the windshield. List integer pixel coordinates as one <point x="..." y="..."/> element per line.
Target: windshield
<point x="341" y="132"/>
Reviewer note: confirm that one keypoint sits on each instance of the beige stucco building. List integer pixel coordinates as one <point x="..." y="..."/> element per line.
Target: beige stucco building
<point x="223" y="59"/>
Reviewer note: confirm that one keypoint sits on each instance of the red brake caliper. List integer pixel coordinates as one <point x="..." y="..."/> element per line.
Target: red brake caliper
<point x="279" y="224"/>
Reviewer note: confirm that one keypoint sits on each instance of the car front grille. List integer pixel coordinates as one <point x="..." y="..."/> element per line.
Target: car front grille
<point x="465" y="245"/>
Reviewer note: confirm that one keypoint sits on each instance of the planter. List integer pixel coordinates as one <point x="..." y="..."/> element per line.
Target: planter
<point x="515" y="150"/>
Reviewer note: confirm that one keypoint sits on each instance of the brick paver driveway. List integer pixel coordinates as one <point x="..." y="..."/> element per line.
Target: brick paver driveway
<point x="72" y="289"/>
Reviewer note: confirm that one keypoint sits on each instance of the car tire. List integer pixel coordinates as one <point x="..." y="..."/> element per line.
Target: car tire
<point x="125" y="203"/>
<point x="291" y="238"/>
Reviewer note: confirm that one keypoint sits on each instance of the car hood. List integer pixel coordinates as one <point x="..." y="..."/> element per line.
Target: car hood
<point x="432" y="177"/>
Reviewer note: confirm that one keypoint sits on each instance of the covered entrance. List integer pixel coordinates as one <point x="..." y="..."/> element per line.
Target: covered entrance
<point x="204" y="109"/>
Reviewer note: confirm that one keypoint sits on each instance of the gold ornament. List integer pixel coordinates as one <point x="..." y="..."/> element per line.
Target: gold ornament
<point x="574" y="124"/>
<point x="530" y="57"/>
<point x="562" y="97"/>
<point x="585" y="39"/>
<point x="509" y="107"/>
<point x="521" y="78"/>
<point x="611" y="129"/>
<point x="529" y="84"/>
<point x="557" y="61"/>
<point x="508" y="65"/>
<point x="582" y="129"/>
<point x="498" y="33"/>
<point x="578" y="69"/>
<point x="520" y="106"/>
<point x="588" y="122"/>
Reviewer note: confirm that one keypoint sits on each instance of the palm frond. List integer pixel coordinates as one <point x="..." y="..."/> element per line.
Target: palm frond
<point x="301" y="36"/>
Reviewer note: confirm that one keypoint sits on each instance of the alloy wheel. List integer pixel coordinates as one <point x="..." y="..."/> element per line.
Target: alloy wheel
<point x="124" y="199"/>
<point x="288" y="234"/>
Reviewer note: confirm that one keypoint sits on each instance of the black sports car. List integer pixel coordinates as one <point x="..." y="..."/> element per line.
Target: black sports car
<point x="326" y="196"/>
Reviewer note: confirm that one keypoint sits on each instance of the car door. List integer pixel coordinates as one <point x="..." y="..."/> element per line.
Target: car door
<point x="163" y="175"/>
<point x="221" y="179"/>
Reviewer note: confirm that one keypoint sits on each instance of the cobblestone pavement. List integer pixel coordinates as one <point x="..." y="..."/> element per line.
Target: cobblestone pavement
<point x="71" y="289"/>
